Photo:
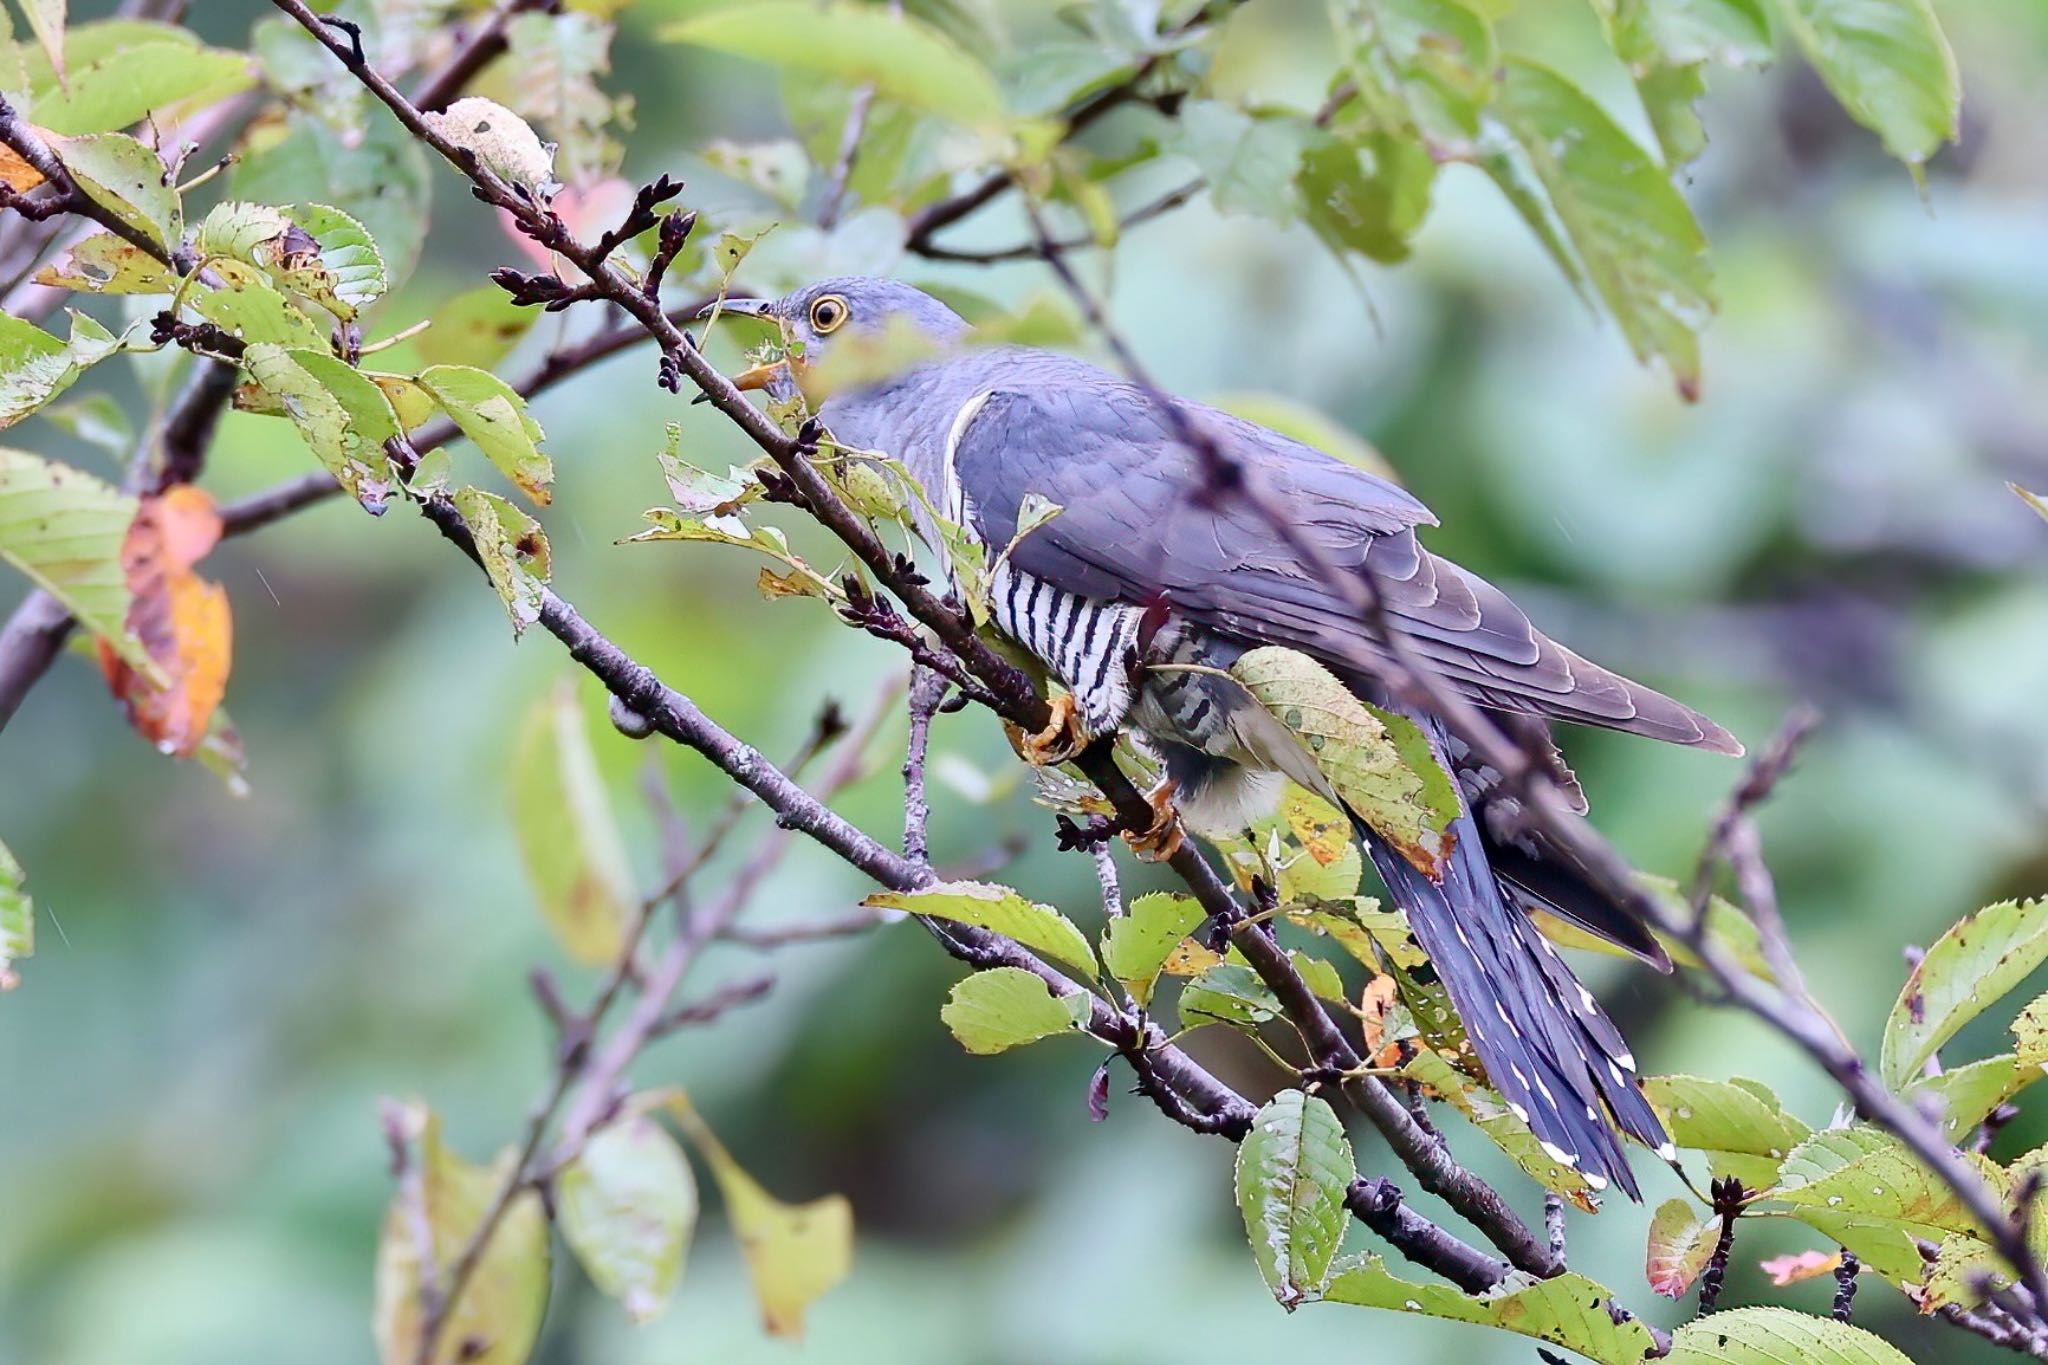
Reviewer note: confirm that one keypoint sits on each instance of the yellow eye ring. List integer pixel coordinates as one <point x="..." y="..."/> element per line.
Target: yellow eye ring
<point x="827" y="313"/>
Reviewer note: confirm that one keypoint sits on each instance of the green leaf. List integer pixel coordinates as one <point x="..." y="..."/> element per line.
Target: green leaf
<point x="1038" y="927"/>
<point x="497" y="1318"/>
<point x="17" y="919"/>
<point x="1889" y="64"/>
<point x="253" y="311"/>
<point x="1421" y="66"/>
<point x="35" y="367"/>
<point x="1228" y="993"/>
<point x="627" y="1206"/>
<point x="1293" y="1168"/>
<point x="1968" y="1093"/>
<point x="140" y="79"/>
<point x="795" y="1252"/>
<point x="1006" y="1007"/>
<point x="106" y="264"/>
<point x="344" y="273"/>
<point x="906" y="61"/>
<point x="1136" y="945"/>
<point x="381" y="179"/>
<point x="1861" y="1187"/>
<point x="1390" y="780"/>
<point x="1568" y="1311"/>
<point x="1681" y="1244"/>
<point x="1979" y="959"/>
<point x="1508" y="1131"/>
<point x="1738" y="1125"/>
<point x="1369" y="197"/>
<point x="1630" y="229"/>
<point x="574" y="854"/>
<point x="128" y="179"/>
<point x="491" y="413"/>
<point x="97" y="420"/>
<point x="477" y="328"/>
<point x="344" y="418"/>
<point x="1669" y="94"/>
<point x="1731" y="32"/>
<point x="1249" y="161"/>
<point x="64" y="529"/>
<point x="46" y="20"/>
<point x="550" y="72"/>
<point x="1773" y="1336"/>
<point x="513" y="549"/>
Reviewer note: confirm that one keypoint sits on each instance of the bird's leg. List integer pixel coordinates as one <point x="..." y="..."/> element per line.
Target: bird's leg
<point x="1162" y="838"/>
<point x="1060" y="740"/>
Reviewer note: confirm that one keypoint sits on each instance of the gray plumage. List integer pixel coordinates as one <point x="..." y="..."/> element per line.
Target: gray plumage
<point x="1138" y="568"/>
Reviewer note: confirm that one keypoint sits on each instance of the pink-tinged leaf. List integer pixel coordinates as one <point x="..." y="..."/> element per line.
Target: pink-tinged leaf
<point x="1681" y="1244"/>
<point x="1804" y="1265"/>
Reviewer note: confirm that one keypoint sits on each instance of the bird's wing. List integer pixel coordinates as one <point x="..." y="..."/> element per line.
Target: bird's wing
<point x="1137" y="525"/>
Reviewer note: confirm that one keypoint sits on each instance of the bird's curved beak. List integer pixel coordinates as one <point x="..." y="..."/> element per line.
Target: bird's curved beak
<point x="756" y="376"/>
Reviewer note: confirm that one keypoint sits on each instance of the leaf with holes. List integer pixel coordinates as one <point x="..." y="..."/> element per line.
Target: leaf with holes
<point x="1293" y="1169"/>
<point x="254" y="312"/>
<point x="1681" y="1244"/>
<point x="182" y="620"/>
<point x="340" y="269"/>
<point x="381" y="177"/>
<point x="513" y="549"/>
<point x="491" y="413"/>
<point x="568" y="836"/>
<point x="63" y="528"/>
<point x="497" y="1317"/>
<point x="1608" y="202"/>
<point x="1400" y="794"/>
<point x="1738" y="1125"/>
<point x="1889" y="64"/>
<point x="905" y="60"/>
<point x="1569" y="1311"/>
<point x="1006" y="1007"/>
<point x="627" y="1206"/>
<point x="1862" y="1188"/>
<point x="344" y="417"/>
<point x="1038" y="927"/>
<point x="129" y="180"/>
<point x="1978" y="960"/>
<point x="17" y="919"/>
<point x="502" y="144"/>
<point x="1967" y="1094"/>
<point x="35" y="367"/>
<point x="1227" y="993"/>
<point x="106" y="264"/>
<point x="1772" y="1336"/>
<point x="1135" y="945"/>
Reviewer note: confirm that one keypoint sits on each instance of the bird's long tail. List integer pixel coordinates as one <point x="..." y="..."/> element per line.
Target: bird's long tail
<point x="1547" y="1046"/>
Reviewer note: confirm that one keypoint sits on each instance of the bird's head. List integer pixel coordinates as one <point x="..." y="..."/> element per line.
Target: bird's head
<point x="865" y="327"/>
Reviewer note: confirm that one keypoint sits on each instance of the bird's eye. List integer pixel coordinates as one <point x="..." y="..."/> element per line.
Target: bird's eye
<point x="827" y="313"/>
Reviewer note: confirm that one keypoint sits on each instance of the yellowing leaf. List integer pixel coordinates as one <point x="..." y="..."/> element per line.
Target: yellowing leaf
<point x="106" y="264"/>
<point x="627" y="1206"/>
<point x="63" y="528"/>
<point x="1400" y="794"/>
<point x="1508" y="1131"/>
<point x="127" y="178"/>
<point x="795" y="1252"/>
<point x="181" y="619"/>
<point x="1005" y="1007"/>
<point x="568" y="838"/>
<point x="497" y="1318"/>
<point x="1568" y="1311"/>
<point x="1293" y="1169"/>
<point x="344" y="418"/>
<point x="1741" y="1127"/>
<point x="491" y="413"/>
<point x="1038" y="927"/>
<point x="514" y="552"/>
<point x="906" y="61"/>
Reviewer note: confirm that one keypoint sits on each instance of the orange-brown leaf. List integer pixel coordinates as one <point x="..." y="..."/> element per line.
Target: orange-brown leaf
<point x="182" y="620"/>
<point x="1375" y="1003"/>
<point x="16" y="173"/>
<point x="1804" y="1265"/>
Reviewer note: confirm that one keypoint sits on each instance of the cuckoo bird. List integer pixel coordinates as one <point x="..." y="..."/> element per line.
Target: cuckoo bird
<point x="1138" y="576"/>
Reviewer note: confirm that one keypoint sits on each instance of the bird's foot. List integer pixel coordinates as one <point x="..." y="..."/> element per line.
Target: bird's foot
<point x="1061" y="739"/>
<point x="1162" y="838"/>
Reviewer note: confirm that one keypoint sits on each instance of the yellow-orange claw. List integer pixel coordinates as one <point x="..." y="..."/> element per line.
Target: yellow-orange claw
<point x="1162" y="838"/>
<point x="1061" y="739"/>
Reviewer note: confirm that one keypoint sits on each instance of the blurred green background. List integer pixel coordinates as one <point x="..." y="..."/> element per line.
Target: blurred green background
<point x="190" y="1165"/>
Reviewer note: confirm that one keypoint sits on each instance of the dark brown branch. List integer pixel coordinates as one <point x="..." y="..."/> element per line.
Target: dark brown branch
<point x="484" y="44"/>
<point x="67" y="197"/>
<point x="1031" y="251"/>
